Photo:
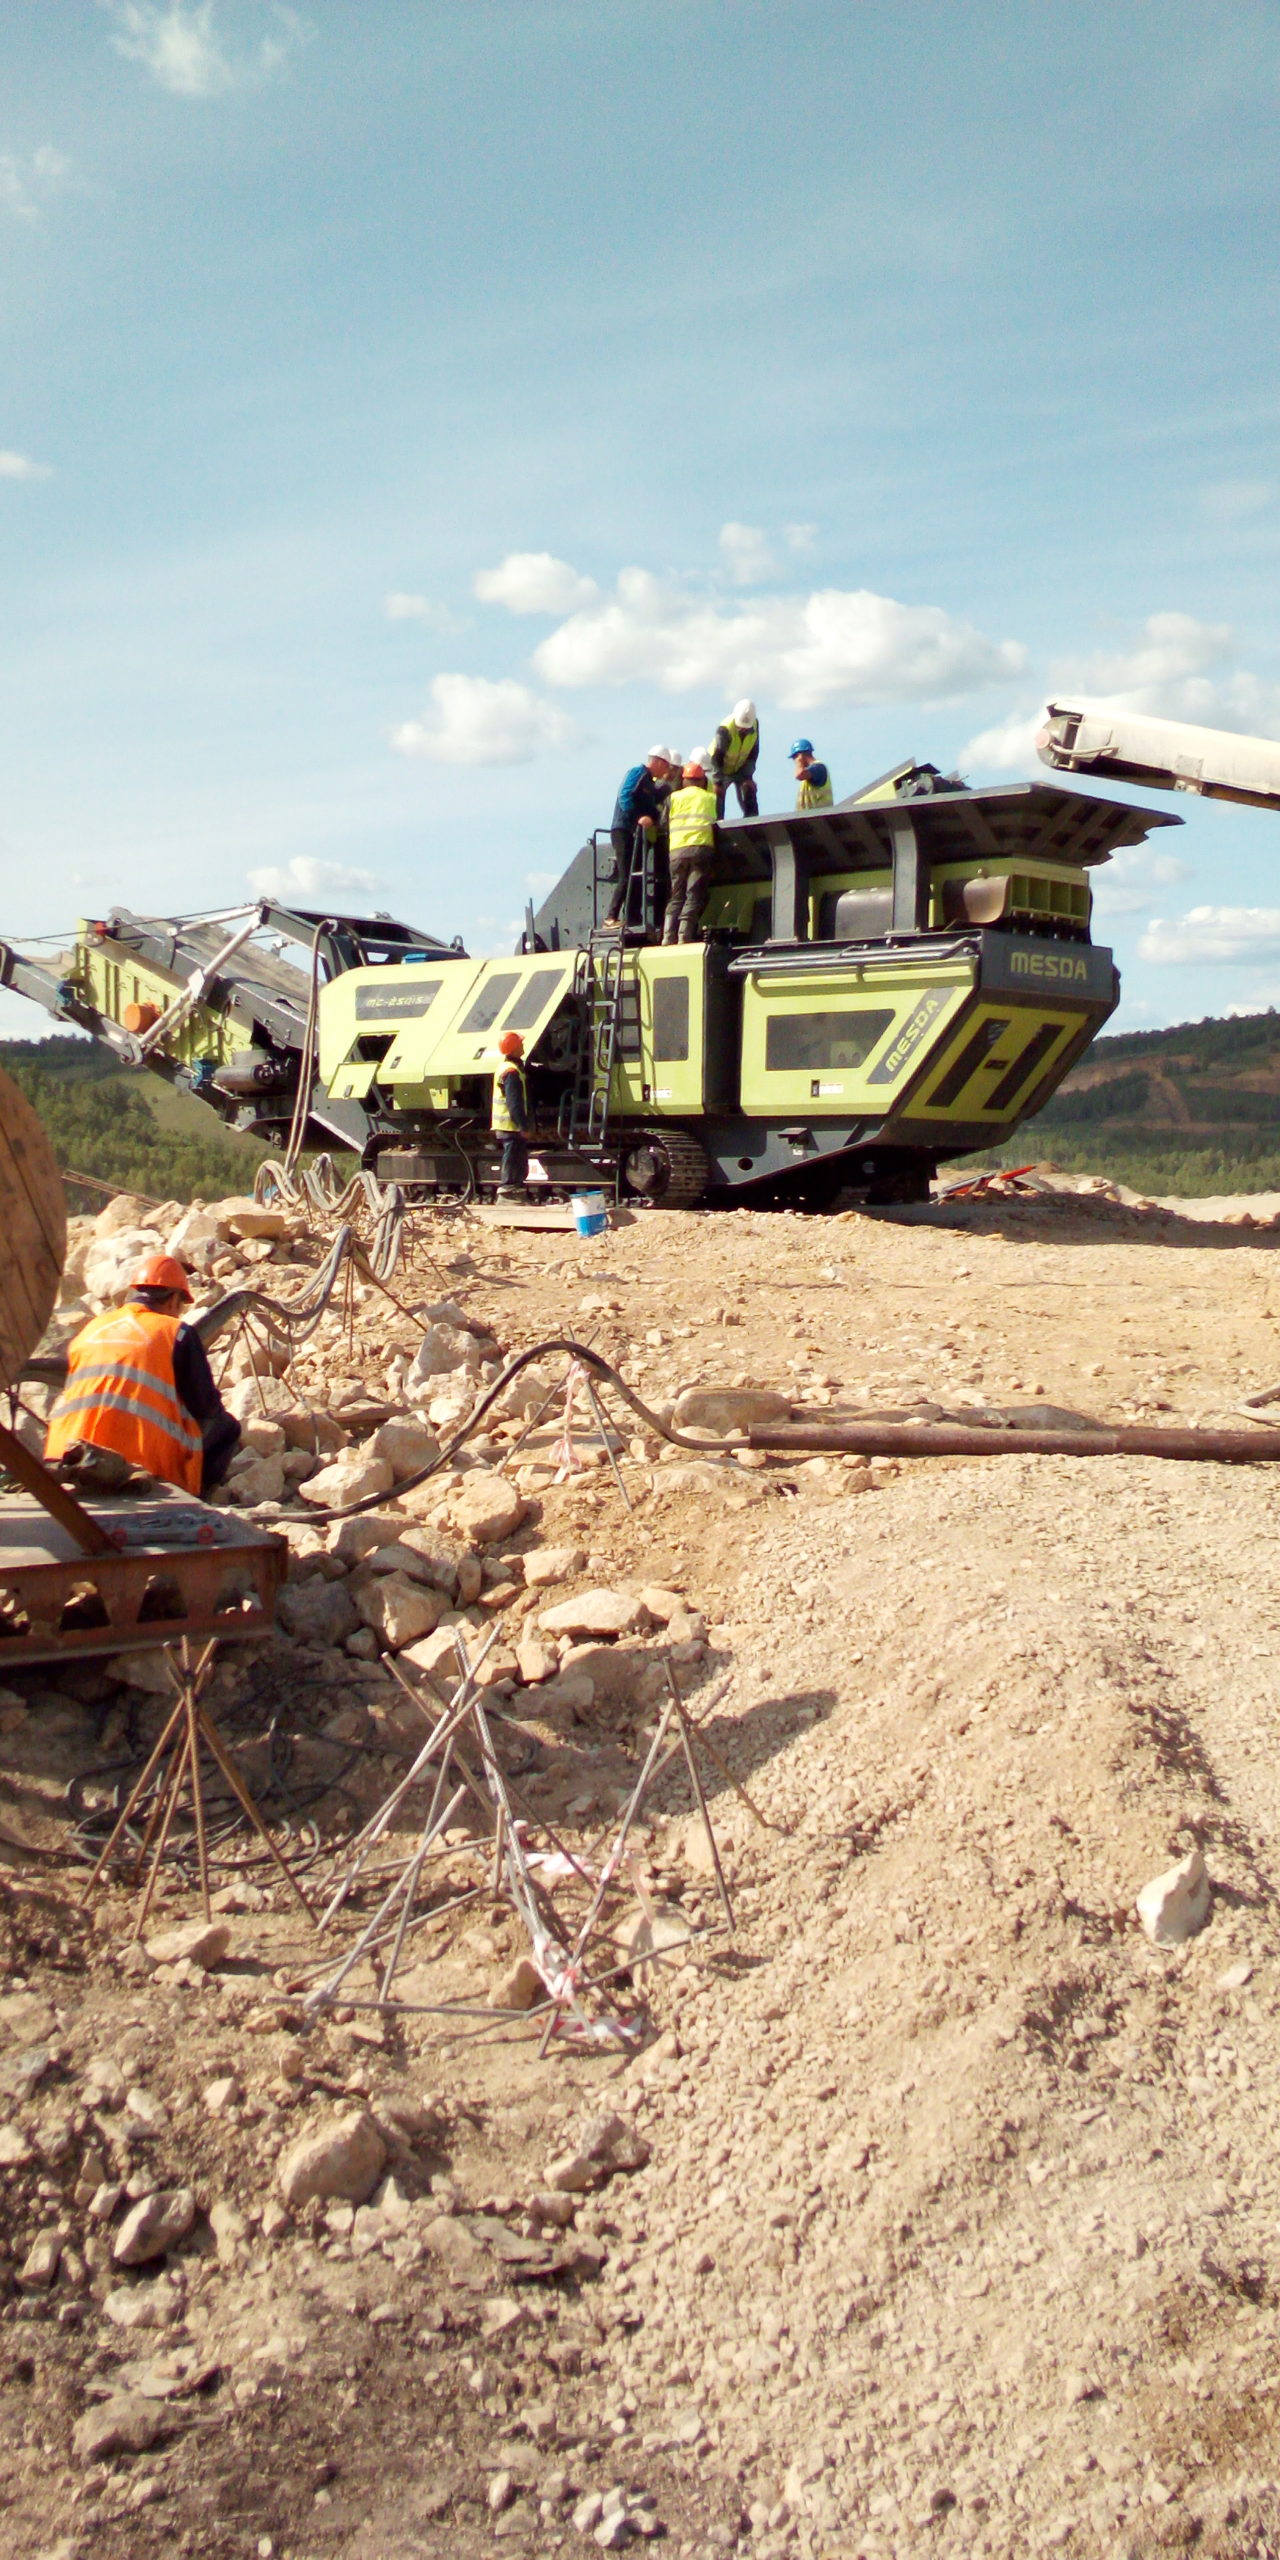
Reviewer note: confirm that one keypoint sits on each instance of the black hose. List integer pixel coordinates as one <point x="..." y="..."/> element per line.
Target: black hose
<point x="592" y="1360"/>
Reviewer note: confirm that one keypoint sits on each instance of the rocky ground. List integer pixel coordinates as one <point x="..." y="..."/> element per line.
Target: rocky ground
<point x="936" y="2207"/>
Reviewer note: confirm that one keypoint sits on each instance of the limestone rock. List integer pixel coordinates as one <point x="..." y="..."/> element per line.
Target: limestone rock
<point x="552" y="1564"/>
<point x="126" y="1210"/>
<point x="484" y="1507"/>
<point x="40" y="2265"/>
<point x="352" y="1540"/>
<point x="398" y="1610"/>
<point x="534" y="1661"/>
<point x="126" y="2423"/>
<point x="435" y="1654"/>
<point x="444" y="1560"/>
<point x="1175" y="1905"/>
<point x="317" y="1612"/>
<point x="243" y="1219"/>
<point x="143" y="2306"/>
<point x="264" y="1437"/>
<point x="443" y="1349"/>
<point x="724" y="1409"/>
<point x="604" y="1612"/>
<point x="521" y="1988"/>
<point x="110" y="1266"/>
<point x="400" y="1557"/>
<point x="201" y="1942"/>
<point x="195" y="1239"/>
<point x="256" y="1480"/>
<point x="343" y="2161"/>
<point x="154" y="2225"/>
<point x="661" y="1604"/>
<point x="348" y="1480"/>
<point x="405" y="1443"/>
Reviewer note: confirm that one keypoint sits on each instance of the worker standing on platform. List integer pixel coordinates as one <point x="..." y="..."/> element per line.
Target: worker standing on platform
<point x="637" y="810"/>
<point x="735" y="752"/>
<point x="140" y="1386"/>
<point x="813" y="782"/>
<point x="691" y="839"/>
<point x="511" y="1117"/>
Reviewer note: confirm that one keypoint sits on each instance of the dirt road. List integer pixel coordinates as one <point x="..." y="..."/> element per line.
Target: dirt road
<point x="961" y="2224"/>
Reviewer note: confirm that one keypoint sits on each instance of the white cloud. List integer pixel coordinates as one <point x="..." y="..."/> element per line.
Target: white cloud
<point x="305" y="877"/>
<point x="1212" y="934"/>
<point x="400" y="606"/>
<point x="801" y="537"/>
<point x="1009" y="747"/>
<point x="534" y="582"/>
<point x="474" y="721"/>
<point x="182" y="45"/>
<point x="26" y="185"/>
<point x="745" y="552"/>
<point x="835" y="645"/>
<point x="19" y="466"/>
<point x="1178" y="669"/>
<point x="1234" y="501"/>
<point x="1124" y="886"/>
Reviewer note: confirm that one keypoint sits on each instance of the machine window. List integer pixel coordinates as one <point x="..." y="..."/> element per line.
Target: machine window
<point x="670" y="1021"/>
<point x="800" y="1042"/>
<point x="535" y="995"/>
<point x="490" y="1001"/>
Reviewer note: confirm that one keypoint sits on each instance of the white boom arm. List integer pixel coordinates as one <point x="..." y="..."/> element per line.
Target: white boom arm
<point x="1127" y="746"/>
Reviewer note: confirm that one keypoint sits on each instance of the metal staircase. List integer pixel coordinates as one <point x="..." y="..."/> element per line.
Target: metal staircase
<point x="607" y="986"/>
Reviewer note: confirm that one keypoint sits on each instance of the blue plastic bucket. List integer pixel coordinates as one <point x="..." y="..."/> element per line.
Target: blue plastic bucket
<point x="590" y="1215"/>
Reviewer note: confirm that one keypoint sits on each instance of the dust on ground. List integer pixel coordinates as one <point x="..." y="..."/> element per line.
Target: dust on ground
<point x="960" y="2228"/>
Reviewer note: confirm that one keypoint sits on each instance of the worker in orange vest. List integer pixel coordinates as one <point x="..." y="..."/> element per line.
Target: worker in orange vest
<point x="139" y="1384"/>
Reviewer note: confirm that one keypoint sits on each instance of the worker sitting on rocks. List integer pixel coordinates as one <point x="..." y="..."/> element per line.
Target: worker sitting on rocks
<point x="735" y="752"/>
<point x="511" y="1117"/>
<point x="813" y="782"/>
<point x="140" y="1392"/>
<point x="691" y="823"/>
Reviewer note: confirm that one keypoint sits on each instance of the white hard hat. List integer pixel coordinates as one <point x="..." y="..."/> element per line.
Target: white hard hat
<point x="656" y="755"/>
<point x="670" y="754"/>
<point x="744" y="715"/>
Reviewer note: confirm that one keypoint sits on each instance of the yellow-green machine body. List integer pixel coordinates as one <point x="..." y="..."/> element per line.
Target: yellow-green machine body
<point x="905" y="977"/>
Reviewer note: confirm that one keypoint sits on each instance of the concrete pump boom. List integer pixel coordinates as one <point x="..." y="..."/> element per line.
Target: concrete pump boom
<point x="1165" y="755"/>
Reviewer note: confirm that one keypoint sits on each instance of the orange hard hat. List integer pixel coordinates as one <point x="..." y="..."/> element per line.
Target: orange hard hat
<point x="695" y="773"/>
<point x="162" y="1271"/>
<point x="511" y="1045"/>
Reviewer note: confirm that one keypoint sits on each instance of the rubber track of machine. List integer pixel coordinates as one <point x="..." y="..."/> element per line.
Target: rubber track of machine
<point x="689" y="1162"/>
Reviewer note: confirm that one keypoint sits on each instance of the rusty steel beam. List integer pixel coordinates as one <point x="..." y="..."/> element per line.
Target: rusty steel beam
<point x="965" y="1440"/>
<point x="52" y="1495"/>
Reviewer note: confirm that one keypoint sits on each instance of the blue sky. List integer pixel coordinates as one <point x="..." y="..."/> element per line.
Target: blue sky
<point x="409" y="414"/>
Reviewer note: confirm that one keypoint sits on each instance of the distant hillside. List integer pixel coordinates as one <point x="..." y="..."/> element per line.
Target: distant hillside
<point x="1193" y="1110"/>
<point x="127" y="1128"/>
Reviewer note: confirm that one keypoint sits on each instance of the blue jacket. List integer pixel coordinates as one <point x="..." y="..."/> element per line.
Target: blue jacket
<point x="638" y="797"/>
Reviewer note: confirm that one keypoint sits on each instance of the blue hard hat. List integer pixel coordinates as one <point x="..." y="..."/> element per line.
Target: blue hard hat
<point x="801" y="747"/>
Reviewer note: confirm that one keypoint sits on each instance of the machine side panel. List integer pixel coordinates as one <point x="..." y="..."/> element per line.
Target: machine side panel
<point x="833" y="1043"/>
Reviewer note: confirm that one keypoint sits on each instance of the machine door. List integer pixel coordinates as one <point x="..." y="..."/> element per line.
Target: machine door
<point x="999" y="1053"/>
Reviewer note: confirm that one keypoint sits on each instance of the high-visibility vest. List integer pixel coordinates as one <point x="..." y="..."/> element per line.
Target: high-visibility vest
<point x="501" y="1115"/>
<point x="742" y="743"/>
<point x="691" y="820"/>
<point x="815" y="795"/>
<point x="120" y="1394"/>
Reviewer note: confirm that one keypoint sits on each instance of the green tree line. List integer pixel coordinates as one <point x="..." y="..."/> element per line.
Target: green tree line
<point x="100" y="1121"/>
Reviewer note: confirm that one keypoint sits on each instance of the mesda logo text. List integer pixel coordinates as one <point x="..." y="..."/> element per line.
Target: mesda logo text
<point x="1064" y="967"/>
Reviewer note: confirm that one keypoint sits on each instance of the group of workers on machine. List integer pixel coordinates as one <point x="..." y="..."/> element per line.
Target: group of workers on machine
<point x="675" y="806"/>
<point x="678" y="806"/>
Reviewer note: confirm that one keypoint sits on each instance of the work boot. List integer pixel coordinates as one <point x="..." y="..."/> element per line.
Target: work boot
<point x="93" y="1469"/>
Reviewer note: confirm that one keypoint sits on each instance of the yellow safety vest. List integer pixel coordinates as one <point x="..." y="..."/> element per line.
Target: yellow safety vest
<point x="742" y="743"/>
<point x="120" y="1394"/>
<point x="691" y="820"/>
<point x="815" y="795"/>
<point x="502" y="1119"/>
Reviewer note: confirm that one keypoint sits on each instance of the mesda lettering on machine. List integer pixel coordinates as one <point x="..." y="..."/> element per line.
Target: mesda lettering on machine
<point x="1066" y="967"/>
<point x="910" y="1036"/>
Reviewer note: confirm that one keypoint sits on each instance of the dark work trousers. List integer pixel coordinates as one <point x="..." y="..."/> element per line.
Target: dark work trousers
<point x="622" y="839"/>
<point x="690" y="890"/>
<point x="748" y="796"/>
<point x="515" y="1161"/>
<point x="220" y="1439"/>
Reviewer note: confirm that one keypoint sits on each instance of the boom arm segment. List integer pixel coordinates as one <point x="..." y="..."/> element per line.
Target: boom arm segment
<point x="1165" y="755"/>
